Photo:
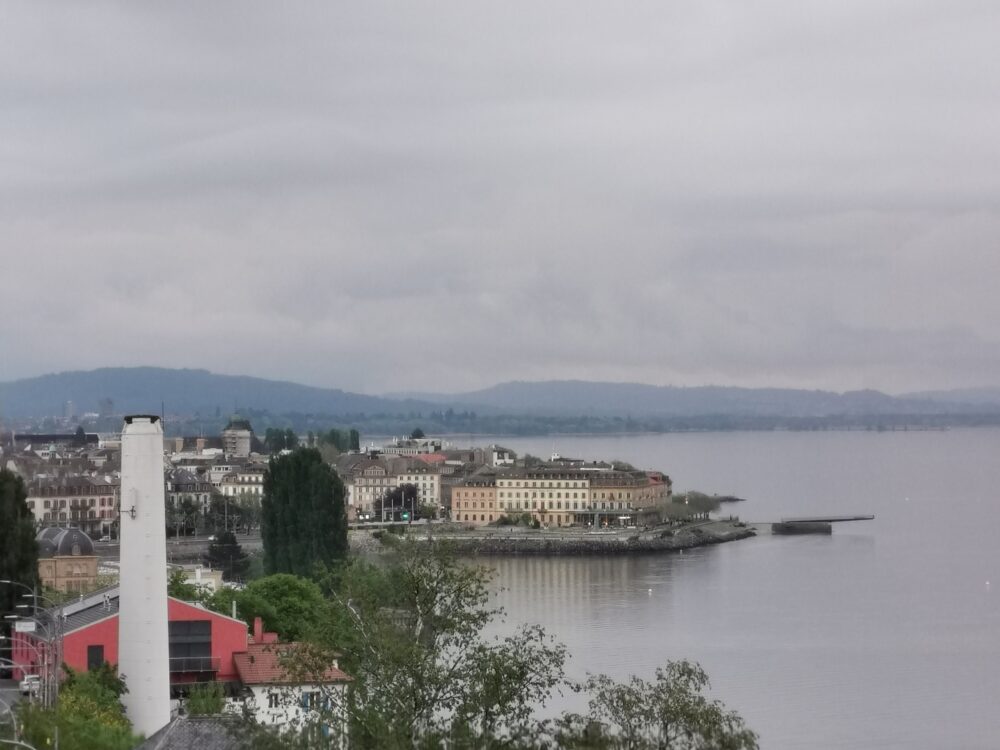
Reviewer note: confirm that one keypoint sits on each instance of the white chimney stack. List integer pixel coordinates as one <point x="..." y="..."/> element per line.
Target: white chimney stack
<point x="142" y="619"/>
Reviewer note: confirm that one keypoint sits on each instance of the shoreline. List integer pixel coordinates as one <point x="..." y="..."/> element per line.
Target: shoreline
<point x="513" y="542"/>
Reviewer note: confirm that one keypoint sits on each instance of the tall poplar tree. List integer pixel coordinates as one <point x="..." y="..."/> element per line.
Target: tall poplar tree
<point x="18" y="548"/>
<point x="303" y="517"/>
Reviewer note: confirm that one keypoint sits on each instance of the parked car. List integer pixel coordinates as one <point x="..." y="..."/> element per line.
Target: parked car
<point x="30" y="685"/>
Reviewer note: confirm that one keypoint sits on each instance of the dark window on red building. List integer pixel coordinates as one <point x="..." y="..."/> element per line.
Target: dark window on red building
<point x="190" y="643"/>
<point x="95" y="656"/>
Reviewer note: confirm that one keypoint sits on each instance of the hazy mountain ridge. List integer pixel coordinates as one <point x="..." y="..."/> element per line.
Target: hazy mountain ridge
<point x="189" y="391"/>
<point x="561" y="397"/>
<point x="181" y="391"/>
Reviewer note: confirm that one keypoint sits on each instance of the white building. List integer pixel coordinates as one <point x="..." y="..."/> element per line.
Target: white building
<point x="278" y="699"/>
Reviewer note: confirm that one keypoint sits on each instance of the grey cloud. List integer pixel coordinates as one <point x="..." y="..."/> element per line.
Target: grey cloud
<point x="386" y="197"/>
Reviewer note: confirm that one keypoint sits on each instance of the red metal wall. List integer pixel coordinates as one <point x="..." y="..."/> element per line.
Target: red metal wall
<point x="228" y="635"/>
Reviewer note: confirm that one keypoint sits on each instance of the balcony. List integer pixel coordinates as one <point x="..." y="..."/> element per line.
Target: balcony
<point x="194" y="664"/>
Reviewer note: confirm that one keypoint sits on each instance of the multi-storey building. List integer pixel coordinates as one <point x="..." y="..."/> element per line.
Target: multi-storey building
<point x="244" y="482"/>
<point x="237" y="438"/>
<point x="594" y="494"/>
<point x="183" y="485"/>
<point x="83" y="501"/>
<point x="474" y="500"/>
<point x="411" y="446"/>
<point x="366" y="483"/>
<point x="425" y="477"/>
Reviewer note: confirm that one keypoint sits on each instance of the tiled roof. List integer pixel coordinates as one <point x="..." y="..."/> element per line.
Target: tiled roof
<point x="431" y="458"/>
<point x="260" y="664"/>
<point x="201" y="732"/>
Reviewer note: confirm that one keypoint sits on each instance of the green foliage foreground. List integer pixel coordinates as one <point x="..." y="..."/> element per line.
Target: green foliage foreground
<point x="90" y="715"/>
<point x="410" y="633"/>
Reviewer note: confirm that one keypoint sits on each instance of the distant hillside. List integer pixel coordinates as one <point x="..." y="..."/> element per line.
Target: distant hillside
<point x="565" y="397"/>
<point x="964" y="396"/>
<point x="569" y="405"/>
<point x="142" y="389"/>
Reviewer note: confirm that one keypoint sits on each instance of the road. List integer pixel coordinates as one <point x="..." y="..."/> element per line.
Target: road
<point x="183" y="548"/>
<point x="9" y="696"/>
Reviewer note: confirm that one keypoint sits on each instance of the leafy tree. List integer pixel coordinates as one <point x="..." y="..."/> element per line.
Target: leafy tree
<point x="90" y="714"/>
<point x="400" y="499"/>
<point x="205" y="699"/>
<point x="355" y="440"/>
<point x="290" y="606"/>
<point x="179" y="588"/>
<point x="80" y="437"/>
<point x="410" y="632"/>
<point x="424" y="674"/>
<point x="668" y="713"/>
<point x="183" y="516"/>
<point x="226" y="554"/>
<point x="303" y="518"/>
<point x="18" y="548"/>
<point x="417" y="434"/>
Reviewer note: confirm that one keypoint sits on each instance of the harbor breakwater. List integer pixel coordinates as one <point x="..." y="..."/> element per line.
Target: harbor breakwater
<point x="542" y="543"/>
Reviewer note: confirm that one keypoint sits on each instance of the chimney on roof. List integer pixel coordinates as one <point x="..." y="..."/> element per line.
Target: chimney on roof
<point x="258" y="630"/>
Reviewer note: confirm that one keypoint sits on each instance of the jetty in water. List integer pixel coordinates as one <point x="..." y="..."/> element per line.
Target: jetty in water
<point x="813" y="524"/>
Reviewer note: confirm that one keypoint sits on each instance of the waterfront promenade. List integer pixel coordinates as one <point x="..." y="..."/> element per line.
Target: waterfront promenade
<point x="514" y="540"/>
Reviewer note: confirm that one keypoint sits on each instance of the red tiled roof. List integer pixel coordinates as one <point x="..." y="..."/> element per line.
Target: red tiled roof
<point x="260" y="664"/>
<point x="431" y="458"/>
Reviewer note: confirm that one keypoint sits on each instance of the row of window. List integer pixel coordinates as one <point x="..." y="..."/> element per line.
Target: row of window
<point x="105" y="502"/>
<point x="545" y="483"/>
<point x="545" y="505"/>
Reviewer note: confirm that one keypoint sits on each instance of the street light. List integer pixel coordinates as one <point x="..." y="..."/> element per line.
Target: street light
<point x="52" y="637"/>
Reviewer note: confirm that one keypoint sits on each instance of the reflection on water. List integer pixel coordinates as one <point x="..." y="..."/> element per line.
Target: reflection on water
<point x="885" y="634"/>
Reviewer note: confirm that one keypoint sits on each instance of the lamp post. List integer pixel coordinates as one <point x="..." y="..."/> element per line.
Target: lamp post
<point x="52" y="638"/>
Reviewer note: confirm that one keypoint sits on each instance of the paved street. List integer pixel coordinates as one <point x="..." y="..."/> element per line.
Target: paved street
<point x="9" y="696"/>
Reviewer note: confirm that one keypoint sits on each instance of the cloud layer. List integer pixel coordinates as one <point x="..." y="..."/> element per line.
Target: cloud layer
<point x="439" y="197"/>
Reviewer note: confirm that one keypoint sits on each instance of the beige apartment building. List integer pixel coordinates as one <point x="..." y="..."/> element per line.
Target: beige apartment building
<point x="474" y="501"/>
<point x="565" y="496"/>
<point x="82" y="501"/>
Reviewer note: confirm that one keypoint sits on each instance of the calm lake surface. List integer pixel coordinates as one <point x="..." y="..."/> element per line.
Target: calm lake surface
<point x="884" y="635"/>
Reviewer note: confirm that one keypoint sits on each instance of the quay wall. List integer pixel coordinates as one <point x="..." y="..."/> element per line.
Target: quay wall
<point x="626" y="542"/>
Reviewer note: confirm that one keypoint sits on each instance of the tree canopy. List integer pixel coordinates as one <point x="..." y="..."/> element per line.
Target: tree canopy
<point x="303" y="516"/>
<point x="410" y="633"/>
<point x="291" y="606"/>
<point x="226" y="554"/>
<point x="18" y="548"/>
<point x="90" y="715"/>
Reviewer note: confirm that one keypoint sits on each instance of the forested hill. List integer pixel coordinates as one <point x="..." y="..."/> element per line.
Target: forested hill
<point x="142" y="389"/>
<point x="569" y="405"/>
<point x="578" y="397"/>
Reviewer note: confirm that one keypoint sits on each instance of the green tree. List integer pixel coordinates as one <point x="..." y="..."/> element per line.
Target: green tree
<point x="205" y="699"/>
<point x="411" y="633"/>
<point x="18" y="548"/>
<point x="417" y="434"/>
<point x="355" y="440"/>
<point x="179" y="588"/>
<point x="668" y="713"/>
<point x="90" y="714"/>
<point x="226" y="554"/>
<point x="303" y="518"/>
<point x="290" y="606"/>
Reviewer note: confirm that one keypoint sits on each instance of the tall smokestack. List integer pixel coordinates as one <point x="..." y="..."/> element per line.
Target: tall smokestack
<point x="142" y="619"/>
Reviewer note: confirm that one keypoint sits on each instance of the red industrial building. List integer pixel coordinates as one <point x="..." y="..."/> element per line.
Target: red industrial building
<point x="201" y="642"/>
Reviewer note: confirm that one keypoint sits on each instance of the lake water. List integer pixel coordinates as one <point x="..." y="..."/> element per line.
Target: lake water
<point x="885" y="634"/>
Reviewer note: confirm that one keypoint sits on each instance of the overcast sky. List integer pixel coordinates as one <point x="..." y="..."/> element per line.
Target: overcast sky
<point x="441" y="196"/>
